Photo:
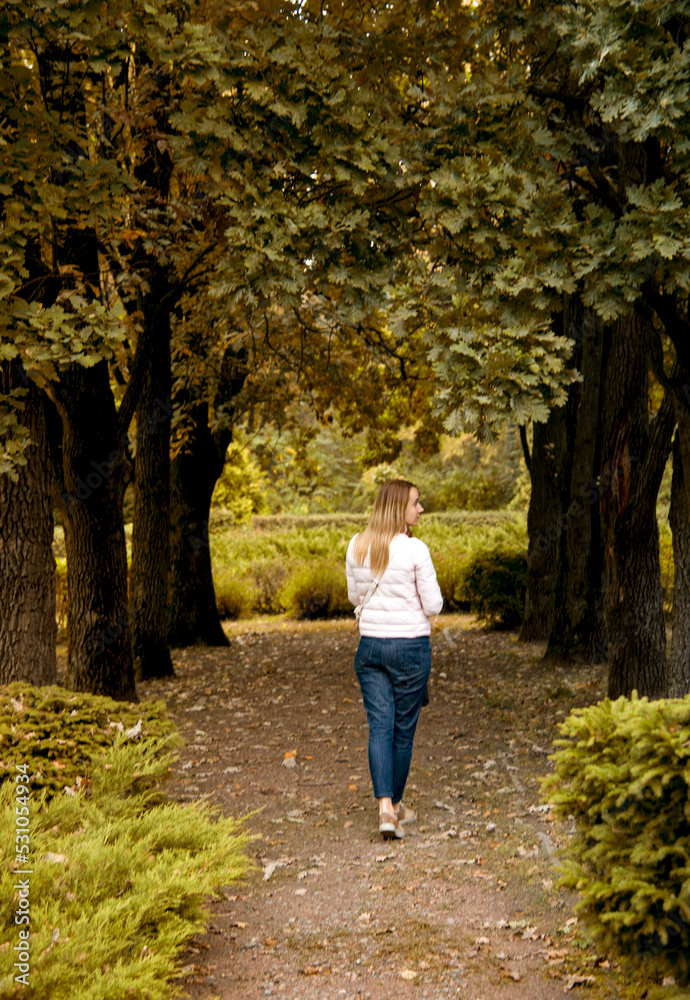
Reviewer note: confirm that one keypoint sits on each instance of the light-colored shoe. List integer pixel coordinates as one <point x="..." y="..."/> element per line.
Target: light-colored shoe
<point x="389" y="828"/>
<point x="406" y="815"/>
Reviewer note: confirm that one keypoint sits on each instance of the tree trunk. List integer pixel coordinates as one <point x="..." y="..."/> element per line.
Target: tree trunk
<point x="193" y="615"/>
<point x="679" y="520"/>
<point x="544" y="525"/>
<point x="578" y="628"/>
<point x="99" y="637"/>
<point x="150" y="537"/>
<point x="27" y="568"/>
<point x="633" y="461"/>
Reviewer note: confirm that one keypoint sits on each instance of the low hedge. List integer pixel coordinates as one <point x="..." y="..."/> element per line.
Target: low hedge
<point x="622" y="771"/>
<point x="118" y="875"/>
<point x="317" y="590"/>
<point x="270" y="566"/>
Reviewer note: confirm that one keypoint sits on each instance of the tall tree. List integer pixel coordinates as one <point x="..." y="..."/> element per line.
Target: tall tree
<point x="27" y="565"/>
<point x="573" y="185"/>
<point x="578" y="625"/>
<point x="80" y="90"/>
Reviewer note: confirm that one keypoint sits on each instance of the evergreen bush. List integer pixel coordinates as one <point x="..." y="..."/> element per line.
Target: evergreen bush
<point x="494" y="586"/>
<point x="60" y="732"/>
<point x="622" y="771"/>
<point x="118" y="874"/>
<point x="318" y="590"/>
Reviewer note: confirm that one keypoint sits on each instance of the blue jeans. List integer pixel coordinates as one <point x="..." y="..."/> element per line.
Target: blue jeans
<point x="392" y="674"/>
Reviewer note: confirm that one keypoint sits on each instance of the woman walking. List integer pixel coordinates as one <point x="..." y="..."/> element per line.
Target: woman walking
<point x="391" y="579"/>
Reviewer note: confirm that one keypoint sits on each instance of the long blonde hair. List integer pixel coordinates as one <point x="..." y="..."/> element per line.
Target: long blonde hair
<point x="386" y="521"/>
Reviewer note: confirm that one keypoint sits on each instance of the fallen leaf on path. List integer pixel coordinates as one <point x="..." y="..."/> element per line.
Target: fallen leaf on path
<point x="578" y="981"/>
<point x="270" y="866"/>
<point x="308" y="871"/>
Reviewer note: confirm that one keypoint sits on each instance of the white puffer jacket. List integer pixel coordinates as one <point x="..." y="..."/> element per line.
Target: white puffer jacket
<point x="407" y="594"/>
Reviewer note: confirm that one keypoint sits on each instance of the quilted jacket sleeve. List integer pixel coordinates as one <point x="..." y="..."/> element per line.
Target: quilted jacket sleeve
<point x="352" y="592"/>
<point x="427" y="584"/>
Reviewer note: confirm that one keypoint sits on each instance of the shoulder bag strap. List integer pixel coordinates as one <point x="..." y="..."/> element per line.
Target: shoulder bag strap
<point x="367" y="597"/>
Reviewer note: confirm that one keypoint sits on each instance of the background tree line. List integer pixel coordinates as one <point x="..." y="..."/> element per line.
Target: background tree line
<point x="402" y="214"/>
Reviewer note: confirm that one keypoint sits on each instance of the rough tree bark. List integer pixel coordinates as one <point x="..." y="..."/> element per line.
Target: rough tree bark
<point x="99" y="637"/>
<point x="192" y="612"/>
<point x="150" y="536"/>
<point x="634" y="453"/>
<point x="27" y="567"/>
<point x="578" y="627"/>
<point x="193" y="615"/>
<point x="544" y="525"/>
<point x="671" y="311"/>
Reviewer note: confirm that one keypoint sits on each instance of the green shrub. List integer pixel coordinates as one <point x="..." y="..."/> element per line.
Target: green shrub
<point x="269" y="576"/>
<point x="318" y="590"/>
<point x="118" y="875"/>
<point x="236" y="596"/>
<point x="622" y="770"/>
<point x="450" y="568"/>
<point x="60" y="731"/>
<point x="494" y="587"/>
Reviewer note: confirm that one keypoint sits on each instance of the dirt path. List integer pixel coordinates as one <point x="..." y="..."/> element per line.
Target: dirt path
<point x="465" y="906"/>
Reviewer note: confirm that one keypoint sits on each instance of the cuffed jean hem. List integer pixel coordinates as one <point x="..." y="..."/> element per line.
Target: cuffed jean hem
<point x="393" y="675"/>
